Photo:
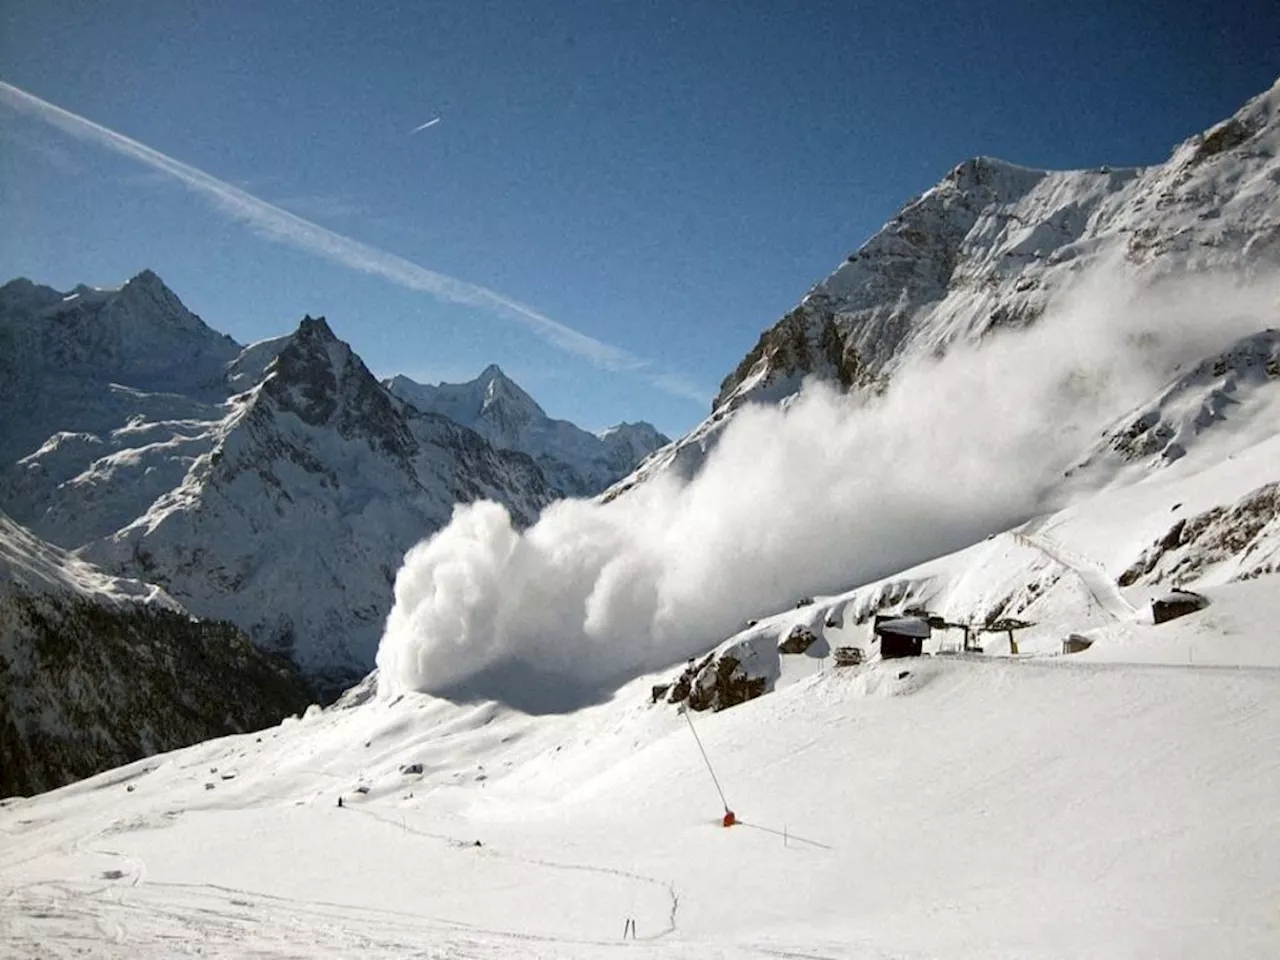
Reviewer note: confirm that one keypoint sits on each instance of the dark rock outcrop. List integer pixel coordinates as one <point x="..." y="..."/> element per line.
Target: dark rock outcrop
<point x="800" y="639"/>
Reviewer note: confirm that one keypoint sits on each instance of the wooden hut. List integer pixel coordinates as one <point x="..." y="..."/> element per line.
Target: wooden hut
<point x="1076" y="644"/>
<point x="901" y="636"/>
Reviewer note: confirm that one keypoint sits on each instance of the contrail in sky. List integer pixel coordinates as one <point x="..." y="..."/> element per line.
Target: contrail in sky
<point x="430" y="123"/>
<point x="282" y="226"/>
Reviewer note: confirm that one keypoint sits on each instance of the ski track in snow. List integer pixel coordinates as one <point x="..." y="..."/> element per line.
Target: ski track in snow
<point x="217" y="914"/>
<point x="666" y="886"/>
<point x="1094" y="578"/>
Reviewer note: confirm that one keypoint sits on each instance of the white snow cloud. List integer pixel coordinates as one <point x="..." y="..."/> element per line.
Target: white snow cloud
<point x="822" y="495"/>
<point x="278" y="224"/>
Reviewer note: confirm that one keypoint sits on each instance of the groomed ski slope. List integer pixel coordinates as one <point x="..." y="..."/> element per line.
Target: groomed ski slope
<point x="1034" y="807"/>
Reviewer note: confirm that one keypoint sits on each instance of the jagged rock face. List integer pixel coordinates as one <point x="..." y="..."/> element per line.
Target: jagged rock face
<point x="576" y="463"/>
<point x="318" y="379"/>
<point x="96" y="671"/>
<point x="806" y="342"/>
<point x="991" y="245"/>
<point x="799" y="640"/>
<point x="735" y="672"/>
<point x="1242" y="538"/>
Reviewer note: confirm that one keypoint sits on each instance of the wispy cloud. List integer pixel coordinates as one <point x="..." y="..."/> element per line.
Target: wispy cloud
<point x="325" y="206"/>
<point x="280" y="225"/>
<point x="430" y="123"/>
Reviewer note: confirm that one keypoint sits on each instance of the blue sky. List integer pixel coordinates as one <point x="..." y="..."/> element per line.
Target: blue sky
<point x="665" y="179"/>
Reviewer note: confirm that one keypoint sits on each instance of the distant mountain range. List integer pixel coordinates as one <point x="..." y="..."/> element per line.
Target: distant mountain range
<point x="276" y="485"/>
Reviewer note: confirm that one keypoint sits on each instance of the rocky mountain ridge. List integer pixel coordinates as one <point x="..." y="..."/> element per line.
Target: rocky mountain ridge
<point x="275" y="485"/>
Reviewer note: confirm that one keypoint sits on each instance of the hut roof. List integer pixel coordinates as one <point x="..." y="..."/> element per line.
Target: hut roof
<point x="905" y="627"/>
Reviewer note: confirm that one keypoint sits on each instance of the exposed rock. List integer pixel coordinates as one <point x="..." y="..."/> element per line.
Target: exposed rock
<point x="682" y="685"/>
<point x="1227" y="135"/>
<point x="1199" y="403"/>
<point x="1245" y="535"/>
<point x="800" y="639"/>
<point x="725" y="684"/>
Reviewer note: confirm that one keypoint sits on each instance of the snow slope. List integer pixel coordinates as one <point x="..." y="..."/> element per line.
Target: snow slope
<point x="1032" y="807"/>
<point x="575" y="462"/>
<point x="1091" y="568"/>
<point x="31" y="565"/>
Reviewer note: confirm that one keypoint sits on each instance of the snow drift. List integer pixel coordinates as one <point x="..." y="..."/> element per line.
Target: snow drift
<point x="824" y="492"/>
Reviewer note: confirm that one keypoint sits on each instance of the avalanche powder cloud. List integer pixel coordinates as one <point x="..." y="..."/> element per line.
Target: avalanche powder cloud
<point x="822" y="494"/>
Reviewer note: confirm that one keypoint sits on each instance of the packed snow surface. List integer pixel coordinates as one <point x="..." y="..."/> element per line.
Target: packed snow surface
<point x="944" y="807"/>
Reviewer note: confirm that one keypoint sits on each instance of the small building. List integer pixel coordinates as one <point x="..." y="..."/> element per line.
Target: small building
<point x="1175" y="604"/>
<point x="1076" y="644"/>
<point x="848" y="656"/>
<point x="901" y="636"/>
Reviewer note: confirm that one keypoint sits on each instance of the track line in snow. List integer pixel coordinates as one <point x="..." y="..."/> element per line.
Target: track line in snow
<point x="670" y="890"/>
<point x="1092" y="575"/>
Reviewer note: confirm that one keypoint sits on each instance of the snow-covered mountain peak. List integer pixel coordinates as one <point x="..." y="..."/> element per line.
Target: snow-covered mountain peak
<point x="1258" y="121"/>
<point x="632" y="441"/>
<point x="575" y="462"/>
<point x="995" y="179"/>
<point x="505" y="401"/>
<point x="140" y="335"/>
<point x="491" y="373"/>
<point x="147" y="287"/>
<point x="995" y="246"/>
